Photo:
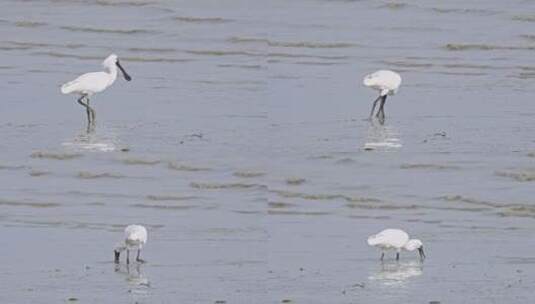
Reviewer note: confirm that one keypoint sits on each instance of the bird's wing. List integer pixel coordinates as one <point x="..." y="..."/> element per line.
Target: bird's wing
<point x="389" y="238"/>
<point x="87" y="83"/>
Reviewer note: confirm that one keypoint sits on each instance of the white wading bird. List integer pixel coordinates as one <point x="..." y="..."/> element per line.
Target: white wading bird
<point x="395" y="239"/>
<point x="135" y="236"/>
<point x="90" y="83"/>
<point x="387" y="83"/>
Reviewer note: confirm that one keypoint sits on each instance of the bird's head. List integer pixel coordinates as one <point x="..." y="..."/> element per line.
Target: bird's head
<point x="373" y="240"/>
<point x="416" y="244"/>
<point x="113" y="61"/>
<point x="110" y="61"/>
<point x="370" y="80"/>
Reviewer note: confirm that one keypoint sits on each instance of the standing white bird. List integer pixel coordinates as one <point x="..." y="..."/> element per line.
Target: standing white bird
<point x="135" y="236"/>
<point x="395" y="239"/>
<point x="90" y="83"/>
<point x="387" y="83"/>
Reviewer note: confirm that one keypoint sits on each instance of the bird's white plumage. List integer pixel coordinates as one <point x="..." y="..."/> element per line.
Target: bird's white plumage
<point x="389" y="239"/>
<point x="385" y="81"/>
<point x="91" y="83"/>
<point x="135" y="236"/>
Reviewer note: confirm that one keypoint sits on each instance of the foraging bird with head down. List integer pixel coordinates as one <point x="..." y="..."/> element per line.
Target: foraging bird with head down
<point x="91" y="83"/>
<point x="387" y="83"/>
<point x="395" y="239"/>
<point x="135" y="237"/>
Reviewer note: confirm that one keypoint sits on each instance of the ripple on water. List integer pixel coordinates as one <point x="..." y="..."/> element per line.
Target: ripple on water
<point x="319" y="197"/>
<point x="29" y="24"/>
<point x="140" y="161"/>
<point x="164" y="207"/>
<point x="55" y="155"/>
<point x="524" y="18"/>
<point x="248" y="174"/>
<point x="292" y="44"/>
<point x="37" y="173"/>
<point x="10" y="167"/>
<point x="226" y="186"/>
<point x="201" y="20"/>
<point x="394" y="5"/>
<point x="106" y="30"/>
<point x="502" y="209"/>
<point x="295" y="181"/>
<point x="519" y="176"/>
<point x="483" y="47"/>
<point x="428" y="166"/>
<point x="16" y="203"/>
<point x="90" y="175"/>
<point x="152" y="50"/>
<point x="170" y="197"/>
<point x="280" y="205"/>
<point x="296" y="212"/>
<point x="182" y="167"/>
<point x="471" y="11"/>
<point x="124" y="3"/>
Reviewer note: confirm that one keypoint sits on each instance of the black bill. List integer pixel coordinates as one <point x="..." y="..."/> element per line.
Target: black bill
<point x="125" y="74"/>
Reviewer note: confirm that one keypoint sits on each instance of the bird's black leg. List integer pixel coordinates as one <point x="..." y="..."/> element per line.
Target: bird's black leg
<point x="374" y="104"/>
<point x="80" y="101"/>
<point x="137" y="257"/>
<point x="381" y="111"/>
<point x="90" y="111"/>
<point x="382" y="255"/>
<point x="397" y="256"/>
<point x="93" y="115"/>
<point x="127" y="256"/>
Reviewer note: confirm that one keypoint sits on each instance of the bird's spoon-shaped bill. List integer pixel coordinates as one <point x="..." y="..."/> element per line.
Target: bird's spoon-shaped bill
<point x="125" y="74"/>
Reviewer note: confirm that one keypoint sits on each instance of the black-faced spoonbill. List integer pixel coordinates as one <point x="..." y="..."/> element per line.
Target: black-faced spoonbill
<point x="395" y="239"/>
<point x="90" y="83"/>
<point x="135" y="236"/>
<point x="387" y="83"/>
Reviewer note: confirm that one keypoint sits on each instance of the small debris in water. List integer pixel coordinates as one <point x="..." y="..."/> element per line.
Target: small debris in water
<point x="125" y="150"/>
<point x="361" y="285"/>
<point x="72" y="299"/>
<point x="434" y="302"/>
<point x="220" y="302"/>
<point x="286" y="301"/>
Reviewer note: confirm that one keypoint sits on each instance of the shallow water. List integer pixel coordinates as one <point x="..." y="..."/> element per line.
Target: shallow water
<point x="242" y="145"/>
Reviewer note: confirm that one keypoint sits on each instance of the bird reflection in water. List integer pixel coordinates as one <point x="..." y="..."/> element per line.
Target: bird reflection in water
<point x="88" y="140"/>
<point x="381" y="137"/>
<point x="135" y="280"/>
<point x="396" y="273"/>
